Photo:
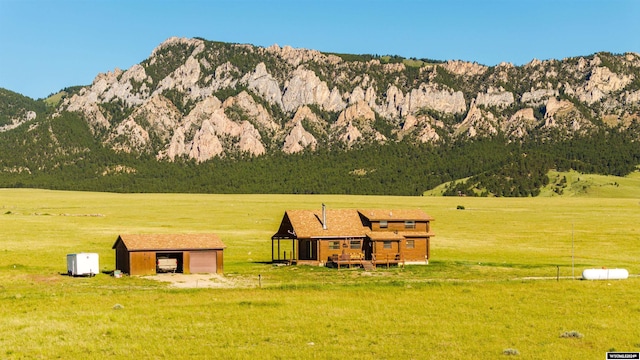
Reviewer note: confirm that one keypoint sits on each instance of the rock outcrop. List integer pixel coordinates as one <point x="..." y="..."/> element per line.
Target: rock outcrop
<point x="520" y="123"/>
<point x="495" y="97"/>
<point x="298" y="138"/>
<point x="305" y="88"/>
<point x="432" y="97"/>
<point x="477" y="123"/>
<point x="28" y="115"/>
<point x="199" y="100"/>
<point x="264" y="84"/>
<point x="601" y="82"/>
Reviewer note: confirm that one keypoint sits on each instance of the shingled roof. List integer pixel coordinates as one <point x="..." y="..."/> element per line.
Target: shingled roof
<point x="346" y="223"/>
<point x="340" y="223"/>
<point x="391" y="215"/>
<point x="170" y="242"/>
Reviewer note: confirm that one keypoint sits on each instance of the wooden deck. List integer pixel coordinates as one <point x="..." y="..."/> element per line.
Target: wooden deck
<point x="387" y="259"/>
<point x="348" y="259"/>
<point x="358" y="259"/>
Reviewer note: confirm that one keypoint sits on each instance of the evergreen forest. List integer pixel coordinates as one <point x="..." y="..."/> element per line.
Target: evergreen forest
<point x="61" y="153"/>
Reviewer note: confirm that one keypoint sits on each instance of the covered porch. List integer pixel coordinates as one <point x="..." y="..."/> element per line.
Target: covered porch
<point x="283" y="250"/>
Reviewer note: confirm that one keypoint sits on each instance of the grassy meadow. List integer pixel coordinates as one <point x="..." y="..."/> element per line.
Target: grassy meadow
<point x="502" y="283"/>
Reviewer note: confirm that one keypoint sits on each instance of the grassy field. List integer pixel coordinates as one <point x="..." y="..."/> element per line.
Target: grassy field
<point x="572" y="183"/>
<point x="491" y="289"/>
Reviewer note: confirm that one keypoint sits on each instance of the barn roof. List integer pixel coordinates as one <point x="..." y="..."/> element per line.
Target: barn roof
<point x="170" y="242"/>
<point x="395" y="214"/>
<point x="340" y="223"/>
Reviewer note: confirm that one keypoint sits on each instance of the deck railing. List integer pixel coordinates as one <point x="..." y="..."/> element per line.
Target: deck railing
<point x="387" y="259"/>
<point x="359" y="259"/>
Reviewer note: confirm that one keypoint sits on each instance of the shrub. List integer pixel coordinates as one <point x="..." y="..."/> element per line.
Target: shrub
<point x="571" y="334"/>
<point x="510" y="352"/>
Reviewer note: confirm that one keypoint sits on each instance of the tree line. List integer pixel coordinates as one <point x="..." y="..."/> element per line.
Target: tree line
<point x="61" y="153"/>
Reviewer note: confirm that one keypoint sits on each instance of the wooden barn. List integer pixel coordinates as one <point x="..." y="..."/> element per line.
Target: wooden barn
<point x="353" y="237"/>
<point x="182" y="253"/>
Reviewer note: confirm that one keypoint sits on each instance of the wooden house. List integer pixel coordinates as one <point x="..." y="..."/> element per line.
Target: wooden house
<point x="353" y="237"/>
<point x="183" y="253"/>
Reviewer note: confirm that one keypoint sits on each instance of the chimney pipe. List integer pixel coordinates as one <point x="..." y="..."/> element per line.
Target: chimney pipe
<point x="324" y="217"/>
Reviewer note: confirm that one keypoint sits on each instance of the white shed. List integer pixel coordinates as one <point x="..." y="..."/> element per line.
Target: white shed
<point x="83" y="264"/>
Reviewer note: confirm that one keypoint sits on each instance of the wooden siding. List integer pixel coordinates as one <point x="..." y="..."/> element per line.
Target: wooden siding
<point x="344" y="247"/>
<point x="122" y="259"/>
<point x="419" y="252"/>
<point x="378" y="247"/>
<point x="219" y="262"/>
<point x="186" y="262"/>
<point x="137" y="254"/>
<point x="142" y="263"/>
<point x="324" y="252"/>
<point x="400" y="226"/>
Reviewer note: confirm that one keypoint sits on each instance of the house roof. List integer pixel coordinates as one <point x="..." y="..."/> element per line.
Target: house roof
<point x="395" y="214"/>
<point x="412" y="234"/>
<point x="384" y="235"/>
<point x="397" y="235"/>
<point x="340" y="223"/>
<point x="346" y="223"/>
<point x="170" y="242"/>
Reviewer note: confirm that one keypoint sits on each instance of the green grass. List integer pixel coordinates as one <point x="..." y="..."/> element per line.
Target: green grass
<point x="577" y="184"/>
<point x="55" y="99"/>
<point x="591" y="185"/>
<point x="476" y="298"/>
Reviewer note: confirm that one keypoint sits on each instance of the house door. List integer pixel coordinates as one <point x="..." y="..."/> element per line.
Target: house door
<point x="307" y="250"/>
<point x="368" y="248"/>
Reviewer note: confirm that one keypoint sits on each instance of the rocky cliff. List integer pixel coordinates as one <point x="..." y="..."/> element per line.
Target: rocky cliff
<point x="197" y="99"/>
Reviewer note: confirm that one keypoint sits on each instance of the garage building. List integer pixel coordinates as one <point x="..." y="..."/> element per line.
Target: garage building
<point x="190" y="253"/>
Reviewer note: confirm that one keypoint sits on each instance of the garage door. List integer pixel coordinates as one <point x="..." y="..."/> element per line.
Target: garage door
<point x="202" y="262"/>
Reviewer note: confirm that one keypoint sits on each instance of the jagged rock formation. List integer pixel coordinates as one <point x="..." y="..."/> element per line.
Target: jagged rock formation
<point x="520" y="123"/>
<point x="423" y="126"/>
<point x="354" y="123"/>
<point x="477" y="123"/>
<point x="196" y="99"/>
<point x="298" y="138"/>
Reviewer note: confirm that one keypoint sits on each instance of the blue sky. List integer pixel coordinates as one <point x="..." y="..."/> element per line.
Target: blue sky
<point x="47" y="45"/>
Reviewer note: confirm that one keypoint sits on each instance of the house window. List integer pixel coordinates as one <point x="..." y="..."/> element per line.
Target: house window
<point x="355" y="245"/>
<point x="383" y="224"/>
<point x="334" y="245"/>
<point x="386" y="245"/>
<point x="410" y="224"/>
<point x="411" y="244"/>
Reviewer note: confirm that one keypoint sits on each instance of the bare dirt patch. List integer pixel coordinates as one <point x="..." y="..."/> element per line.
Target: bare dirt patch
<point x="191" y="281"/>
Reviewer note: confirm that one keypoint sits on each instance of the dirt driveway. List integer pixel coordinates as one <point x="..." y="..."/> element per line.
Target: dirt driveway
<point x="200" y="281"/>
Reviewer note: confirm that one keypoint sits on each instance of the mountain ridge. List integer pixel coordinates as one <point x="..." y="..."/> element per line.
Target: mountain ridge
<point x="186" y="73"/>
<point x="201" y="101"/>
